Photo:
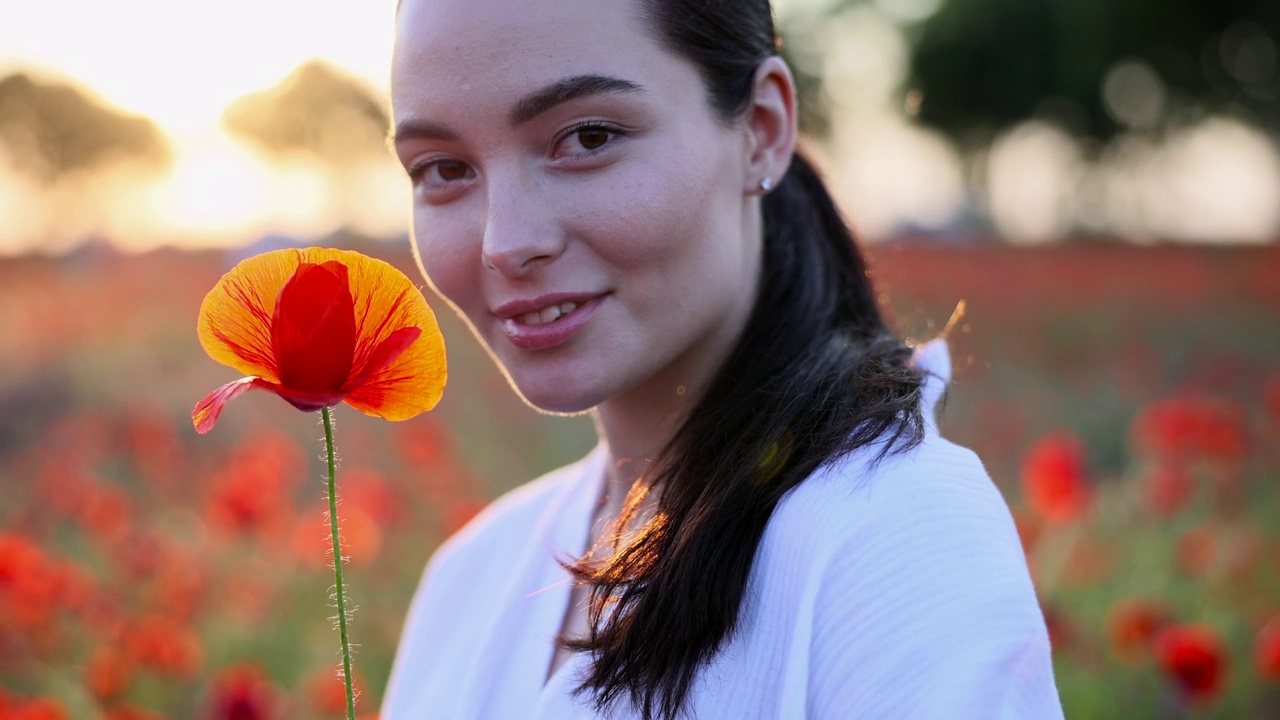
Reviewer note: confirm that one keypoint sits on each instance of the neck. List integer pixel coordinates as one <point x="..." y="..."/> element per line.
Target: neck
<point x="634" y="434"/>
<point x="638" y="424"/>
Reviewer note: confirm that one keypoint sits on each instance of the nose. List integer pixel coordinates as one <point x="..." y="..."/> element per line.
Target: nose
<point x="521" y="232"/>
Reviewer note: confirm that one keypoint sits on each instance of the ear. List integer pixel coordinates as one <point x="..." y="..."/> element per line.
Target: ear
<point x="771" y="125"/>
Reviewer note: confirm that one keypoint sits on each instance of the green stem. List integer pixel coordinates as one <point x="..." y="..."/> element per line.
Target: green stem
<point x="337" y="562"/>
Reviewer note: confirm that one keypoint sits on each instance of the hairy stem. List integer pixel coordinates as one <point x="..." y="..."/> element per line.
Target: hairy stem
<point x="337" y="562"/>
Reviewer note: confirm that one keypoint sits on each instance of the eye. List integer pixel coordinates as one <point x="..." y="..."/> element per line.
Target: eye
<point x="586" y="138"/>
<point x="438" y="173"/>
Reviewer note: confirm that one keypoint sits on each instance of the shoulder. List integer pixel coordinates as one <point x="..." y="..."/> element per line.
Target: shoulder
<point x="921" y="590"/>
<point x="511" y="519"/>
<point x="866" y="495"/>
<point x="465" y="584"/>
<point x="932" y="488"/>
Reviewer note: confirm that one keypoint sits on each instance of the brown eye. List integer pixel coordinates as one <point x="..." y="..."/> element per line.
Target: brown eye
<point x="449" y="170"/>
<point x="592" y="138"/>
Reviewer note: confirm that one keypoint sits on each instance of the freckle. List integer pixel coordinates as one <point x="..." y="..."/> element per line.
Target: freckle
<point x="680" y="390"/>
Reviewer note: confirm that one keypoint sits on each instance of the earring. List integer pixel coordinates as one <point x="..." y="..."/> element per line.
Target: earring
<point x="766" y="184"/>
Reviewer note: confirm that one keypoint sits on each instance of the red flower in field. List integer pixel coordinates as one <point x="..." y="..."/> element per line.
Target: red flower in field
<point x="179" y="586"/>
<point x="1191" y="428"/>
<point x="1061" y="634"/>
<point x="360" y="532"/>
<point x="240" y="502"/>
<point x="1198" y="549"/>
<point x="75" y="585"/>
<point x="1053" y="478"/>
<point x="131" y="712"/>
<point x="242" y="692"/>
<point x="1132" y="623"/>
<point x="163" y="644"/>
<point x="109" y="673"/>
<point x="271" y="456"/>
<point x="1168" y="486"/>
<point x="459" y="511"/>
<point x="318" y="327"/>
<point x="104" y="510"/>
<point x="370" y="491"/>
<point x="12" y="708"/>
<point x="28" y="586"/>
<point x="1266" y="656"/>
<point x="1193" y="657"/>
<point x="328" y="693"/>
<point x="1271" y="396"/>
<point x="153" y="446"/>
<point x="1030" y="527"/>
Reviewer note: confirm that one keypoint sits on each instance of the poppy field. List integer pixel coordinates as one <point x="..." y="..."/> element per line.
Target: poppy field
<point x="1125" y="400"/>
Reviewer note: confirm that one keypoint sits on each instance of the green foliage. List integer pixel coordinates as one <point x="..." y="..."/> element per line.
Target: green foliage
<point x="986" y="64"/>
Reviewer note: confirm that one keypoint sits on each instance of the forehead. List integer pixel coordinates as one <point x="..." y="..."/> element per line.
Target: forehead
<point x="473" y="50"/>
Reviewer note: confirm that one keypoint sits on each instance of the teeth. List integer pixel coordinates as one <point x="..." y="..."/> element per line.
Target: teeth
<point x="548" y="314"/>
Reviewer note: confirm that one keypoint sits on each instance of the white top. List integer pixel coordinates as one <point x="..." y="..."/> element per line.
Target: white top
<point x="895" y="591"/>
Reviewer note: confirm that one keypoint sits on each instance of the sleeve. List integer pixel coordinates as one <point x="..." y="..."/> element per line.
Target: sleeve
<point x="927" y="610"/>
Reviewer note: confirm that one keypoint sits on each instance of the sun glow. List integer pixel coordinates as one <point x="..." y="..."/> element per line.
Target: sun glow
<point x="182" y="64"/>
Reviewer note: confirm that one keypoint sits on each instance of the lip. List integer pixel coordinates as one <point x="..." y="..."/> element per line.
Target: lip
<point x="554" y="333"/>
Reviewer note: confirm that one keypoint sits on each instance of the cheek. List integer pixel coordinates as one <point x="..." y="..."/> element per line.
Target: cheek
<point x="450" y="255"/>
<point x="651" y="218"/>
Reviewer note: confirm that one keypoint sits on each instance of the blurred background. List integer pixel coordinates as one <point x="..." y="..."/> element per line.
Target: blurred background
<point x="1098" y="181"/>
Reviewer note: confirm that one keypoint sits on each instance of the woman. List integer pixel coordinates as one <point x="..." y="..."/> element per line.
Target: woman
<point x="608" y="193"/>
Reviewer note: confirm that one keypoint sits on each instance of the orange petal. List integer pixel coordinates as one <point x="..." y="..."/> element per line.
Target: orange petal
<point x="386" y="303"/>
<point x="235" y="317"/>
<point x="207" y="410"/>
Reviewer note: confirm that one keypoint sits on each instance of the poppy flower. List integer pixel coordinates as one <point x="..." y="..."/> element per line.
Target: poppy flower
<point x="1194" y="657"/>
<point x="1191" y="427"/>
<point x="1271" y="396"/>
<point x="317" y="327"/>
<point x="1053" y="478"/>
<point x="327" y="692"/>
<point x="1198" y="549"/>
<point x="41" y="708"/>
<point x="242" y="692"/>
<point x="1168" y="486"/>
<point x="1266" y="657"/>
<point x="1132" y="623"/>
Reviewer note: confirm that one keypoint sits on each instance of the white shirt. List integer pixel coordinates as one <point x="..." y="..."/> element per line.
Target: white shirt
<point x="897" y="590"/>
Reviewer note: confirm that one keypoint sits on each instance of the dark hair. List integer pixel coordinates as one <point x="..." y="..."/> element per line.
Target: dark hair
<point x="816" y="374"/>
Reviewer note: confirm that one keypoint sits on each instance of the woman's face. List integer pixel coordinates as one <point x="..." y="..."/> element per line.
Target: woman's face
<point x="575" y="198"/>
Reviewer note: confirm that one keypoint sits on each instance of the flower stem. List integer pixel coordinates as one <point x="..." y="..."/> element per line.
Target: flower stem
<point x="337" y="562"/>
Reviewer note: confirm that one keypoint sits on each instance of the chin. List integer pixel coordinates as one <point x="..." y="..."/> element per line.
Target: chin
<point x="554" y="403"/>
<point x="555" y="398"/>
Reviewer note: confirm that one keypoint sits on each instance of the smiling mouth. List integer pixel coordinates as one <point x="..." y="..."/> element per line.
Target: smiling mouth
<point x="546" y="315"/>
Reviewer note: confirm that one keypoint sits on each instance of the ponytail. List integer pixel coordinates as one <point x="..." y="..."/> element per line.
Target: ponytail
<point x="816" y="374"/>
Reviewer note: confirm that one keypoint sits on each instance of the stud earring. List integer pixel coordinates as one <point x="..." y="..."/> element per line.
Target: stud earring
<point x="766" y="184"/>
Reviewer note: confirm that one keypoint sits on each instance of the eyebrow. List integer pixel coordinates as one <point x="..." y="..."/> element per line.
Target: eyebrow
<point x="528" y="108"/>
<point x="565" y="90"/>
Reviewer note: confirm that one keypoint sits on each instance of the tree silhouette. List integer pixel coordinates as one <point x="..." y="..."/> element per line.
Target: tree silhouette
<point x="315" y="111"/>
<point x="983" y="65"/>
<point x="51" y="129"/>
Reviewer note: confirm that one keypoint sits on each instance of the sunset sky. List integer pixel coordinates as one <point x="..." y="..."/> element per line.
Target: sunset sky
<point x="183" y="63"/>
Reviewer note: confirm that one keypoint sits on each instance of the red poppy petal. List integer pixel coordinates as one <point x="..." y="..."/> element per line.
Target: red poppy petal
<point x="206" y="412"/>
<point x="313" y="330"/>
<point x="235" y="317"/>
<point x="386" y="353"/>
<point x="385" y="303"/>
<point x="308" y="401"/>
